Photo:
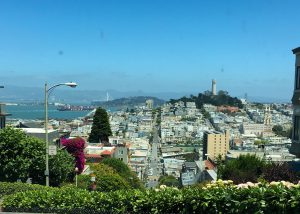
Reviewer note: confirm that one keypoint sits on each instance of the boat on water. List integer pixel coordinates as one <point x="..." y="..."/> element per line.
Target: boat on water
<point x="75" y="108"/>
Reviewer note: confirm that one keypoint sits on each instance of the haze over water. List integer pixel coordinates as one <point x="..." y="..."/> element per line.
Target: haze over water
<point x="38" y="112"/>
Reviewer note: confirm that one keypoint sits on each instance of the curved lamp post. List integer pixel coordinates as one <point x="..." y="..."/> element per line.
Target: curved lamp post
<point x="47" y="92"/>
<point x="207" y="156"/>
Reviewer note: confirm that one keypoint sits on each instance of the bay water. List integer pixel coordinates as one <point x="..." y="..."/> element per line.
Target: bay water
<point x="34" y="112"/>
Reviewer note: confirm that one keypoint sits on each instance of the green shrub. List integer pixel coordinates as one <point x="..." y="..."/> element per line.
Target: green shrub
<point x="23" y="157"/>
<point x="169" y="180"/>
<point x="107" y="179"/>
<point x="220" y="197"/>
<point x="124" y="171"/>
<point x="7" y="188"/>
<point x="242" y="169"/>
<point x="83" y="181"/>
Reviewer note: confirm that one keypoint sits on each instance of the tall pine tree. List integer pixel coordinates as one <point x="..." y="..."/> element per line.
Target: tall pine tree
<point x="101" y="128"/>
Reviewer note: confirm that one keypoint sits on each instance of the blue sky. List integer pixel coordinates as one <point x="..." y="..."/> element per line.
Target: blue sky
<point x="151" y="45"/>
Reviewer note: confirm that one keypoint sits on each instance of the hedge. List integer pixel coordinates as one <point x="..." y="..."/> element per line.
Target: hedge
<point x="220" y="197"/>
<point x="7" y="188"/>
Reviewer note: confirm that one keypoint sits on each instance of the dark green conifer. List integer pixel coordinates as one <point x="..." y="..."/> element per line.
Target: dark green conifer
<point x="101" y="128"/>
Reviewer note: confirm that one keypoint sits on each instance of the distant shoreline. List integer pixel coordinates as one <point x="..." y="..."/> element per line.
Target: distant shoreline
<point x="37" y="112"/>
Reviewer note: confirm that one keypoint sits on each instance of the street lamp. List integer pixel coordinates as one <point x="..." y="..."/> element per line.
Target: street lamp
<point x="76" y="171"/>
<point x="47" y="92"/>
<point x="207" y="156"/>
<point x="93" y="184"/>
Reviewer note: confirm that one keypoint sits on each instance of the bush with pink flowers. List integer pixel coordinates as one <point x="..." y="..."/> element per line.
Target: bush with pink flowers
<point x="75" y="146"/>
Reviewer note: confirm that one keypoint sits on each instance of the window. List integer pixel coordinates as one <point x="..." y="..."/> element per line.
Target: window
<point x="296" y="128"/>
<point x="120" y="152"/>
<point x="297" y="78"/>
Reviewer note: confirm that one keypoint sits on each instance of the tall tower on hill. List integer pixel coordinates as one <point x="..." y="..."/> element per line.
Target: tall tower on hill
<point x="214" y="87"/>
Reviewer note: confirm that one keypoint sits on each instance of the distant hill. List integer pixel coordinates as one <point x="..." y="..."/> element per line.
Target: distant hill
<point x="18" y="94"/>
<point x="129" y="102"/>
<point x="75" y="96"/>
<point x="222" y="98"/>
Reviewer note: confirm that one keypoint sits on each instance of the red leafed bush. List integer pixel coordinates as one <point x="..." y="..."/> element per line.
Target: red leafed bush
<point x="75" y="146"/>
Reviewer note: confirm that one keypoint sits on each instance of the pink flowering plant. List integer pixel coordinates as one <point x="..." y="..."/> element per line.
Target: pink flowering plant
<point x="75" y="147"/>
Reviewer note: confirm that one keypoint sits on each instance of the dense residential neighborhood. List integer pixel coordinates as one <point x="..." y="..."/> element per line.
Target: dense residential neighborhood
<point x="149" y="107"/>
<point x="178" y="139"/>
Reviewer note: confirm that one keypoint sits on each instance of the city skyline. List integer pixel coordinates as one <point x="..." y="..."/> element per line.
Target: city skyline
<point x="151" y="46"/>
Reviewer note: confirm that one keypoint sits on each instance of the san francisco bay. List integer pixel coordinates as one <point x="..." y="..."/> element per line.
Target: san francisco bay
<point x="34" y="112"/>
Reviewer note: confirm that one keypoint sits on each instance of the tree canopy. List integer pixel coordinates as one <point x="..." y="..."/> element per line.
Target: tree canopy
<point x="280" y="131"/>
<point x="252" y="168"/>
<point x="124" y="171"/>
<point x="222" y="98"/>
<point x="23" y="157"/>
<point x="243" y="169"/>
<point x="169" y="180"/>
<point x="279" y="171"/>
<point x="101" y="127"/>
<point x="107" y="179"/>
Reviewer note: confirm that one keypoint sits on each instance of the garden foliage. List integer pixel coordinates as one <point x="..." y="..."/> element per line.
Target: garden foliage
<point x="23" y="157"/>
<point x="124" y="171"/>
<point x="219" y="197"/>
<point x="7" y="188"/>
<point x="252" y="168"/>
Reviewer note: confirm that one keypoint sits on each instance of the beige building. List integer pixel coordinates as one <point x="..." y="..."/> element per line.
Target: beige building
<point x="215" y="144"/>
<point x="259" y="129"/>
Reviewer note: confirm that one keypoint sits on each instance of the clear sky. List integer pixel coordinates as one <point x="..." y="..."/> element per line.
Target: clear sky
<point x="151" y="45"/>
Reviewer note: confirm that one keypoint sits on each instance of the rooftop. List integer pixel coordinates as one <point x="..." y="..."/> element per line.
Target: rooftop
<point x="296" y="50"/>
<point x="37" y="130"/>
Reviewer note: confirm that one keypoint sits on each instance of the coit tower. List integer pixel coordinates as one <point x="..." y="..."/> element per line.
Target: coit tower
<point x="214" y="87"/>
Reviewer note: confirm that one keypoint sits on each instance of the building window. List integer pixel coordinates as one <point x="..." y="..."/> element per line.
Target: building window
<point x="297" y="78"/>
<point x="296" y="128"/>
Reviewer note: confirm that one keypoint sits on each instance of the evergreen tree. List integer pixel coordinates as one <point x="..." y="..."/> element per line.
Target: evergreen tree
<point x="101" y="128"/>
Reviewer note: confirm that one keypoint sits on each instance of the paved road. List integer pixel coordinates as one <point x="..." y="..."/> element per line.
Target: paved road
<point x="154" y="172"/>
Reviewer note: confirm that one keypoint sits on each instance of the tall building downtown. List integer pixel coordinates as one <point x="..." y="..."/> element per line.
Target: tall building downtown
<point x="295" y="148"/>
